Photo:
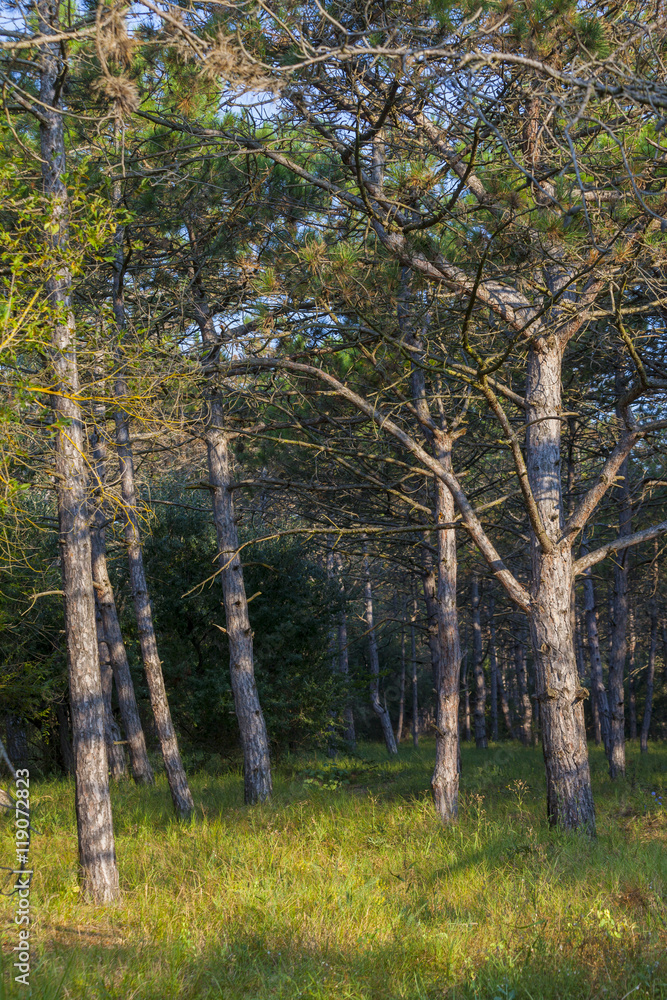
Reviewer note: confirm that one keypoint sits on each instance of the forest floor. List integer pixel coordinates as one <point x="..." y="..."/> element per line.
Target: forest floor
<point x="346" y="887"/>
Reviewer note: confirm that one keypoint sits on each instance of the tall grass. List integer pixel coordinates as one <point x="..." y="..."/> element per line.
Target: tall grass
<point x="347" y="887"/>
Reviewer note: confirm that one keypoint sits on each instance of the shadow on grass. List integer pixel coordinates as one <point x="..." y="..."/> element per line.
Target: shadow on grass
<point x="256" y="967"/>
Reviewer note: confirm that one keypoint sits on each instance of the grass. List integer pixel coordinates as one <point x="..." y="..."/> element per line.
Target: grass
<point x="346" y="887"/>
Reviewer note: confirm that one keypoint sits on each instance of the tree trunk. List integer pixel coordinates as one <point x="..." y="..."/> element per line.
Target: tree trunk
<point x="62" y="719"/>
<point x="413" y="660"/>
<point x="431" y="602"/>
<point x="17" y="740"/>
<point x="257" y="780"/>
<point x="619" y="628"/>
<point x="343" y="658"/>
<point x="521" y="668"/>
<point x="632" y="690"/>
<point x="569" y="793"/>
<point x="477" y="666"/>
<point x="97" y="854"/>
<point x="598" y="690"/>
<point x="142" y="771"/>
<point x="504" y="699"/>
<point x="493" y="670"/>
<point x="374" y="662"/>
<point x="401" y="700"/>
<point x="115" y="752"/>
<point x="178" y="782"/>
<point x="653" y="647"/>
<point x="466" y="697"/>
<point x="445" y="780"/>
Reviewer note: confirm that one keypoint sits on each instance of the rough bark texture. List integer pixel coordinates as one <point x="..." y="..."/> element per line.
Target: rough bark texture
<point x="115" y="752"/>
<point x="493" y="670"/>
<point x="413" y="663"/>
<point x="343" y="658"/>
<point x="652" y="651"/>
<point x="619" y="628"/>
<point x="569" y="793"/>
<point x="142" y="771"/>
<point x="257" y="780"/>
<point x="374" y="662"/>
<point x="178" y="782"/>
<point x="97" y="855"/>
<point x="477" y="665"/>
<point x="445" y="780"/>
<point x="176" y="777"/>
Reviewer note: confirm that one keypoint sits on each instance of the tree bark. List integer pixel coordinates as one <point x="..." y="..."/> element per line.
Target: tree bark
<point x="477" y="665"/>
<point x="97" y="854"/>
<point x="504" y="699"/>
<point x="413" y="662"/>
<point x="521" y="668"/>
<point x="632" y="689"/>
<point x="493" y="670"/>
<point x="619" y="628"/>
<point x="257" y="780"/>
<point x="569" y="793"/>
<point x="176" y="777"/>
<point x="115" y="752"/>
<point x="653" y="648"/>
<point x="445" y="780"/>
<point x="431" y="602"/>
<point x="142" y="771"/>
<point x="343" y="658"/>
<point x="374" y="661"/>
<point x="466" y="696"/>
<point x="401" y="699"/>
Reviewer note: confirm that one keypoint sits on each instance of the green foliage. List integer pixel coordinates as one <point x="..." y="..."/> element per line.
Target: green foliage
<point x="290" y="613"/>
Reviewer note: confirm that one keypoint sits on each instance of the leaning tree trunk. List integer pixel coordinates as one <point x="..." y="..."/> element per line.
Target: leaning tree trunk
<point x="176" y="777"/>
<point x="619" y="628"/>
<point x="97" y="853"/>
<point x="413" y="663"/>
<point x="343" y="658"/>
<point x="560" y="696"/>
<point x="445" y="780"/>
<point x="477" y="666"/>
<point x="115" y="752"/>
<point x="142" y="771"/>
<point x="374" y="662"/>
<point x="652" y="652"/>
<point x="257" y="781"/>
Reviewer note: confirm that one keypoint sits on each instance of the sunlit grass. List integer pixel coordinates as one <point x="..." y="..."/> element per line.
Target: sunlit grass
<point x="347" y="887"/>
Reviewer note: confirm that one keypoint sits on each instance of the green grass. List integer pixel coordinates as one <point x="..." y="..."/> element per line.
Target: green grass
<point x="347" y="887"/>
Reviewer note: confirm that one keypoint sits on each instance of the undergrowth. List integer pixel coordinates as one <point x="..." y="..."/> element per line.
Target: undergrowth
<point x="346" y="887"/>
